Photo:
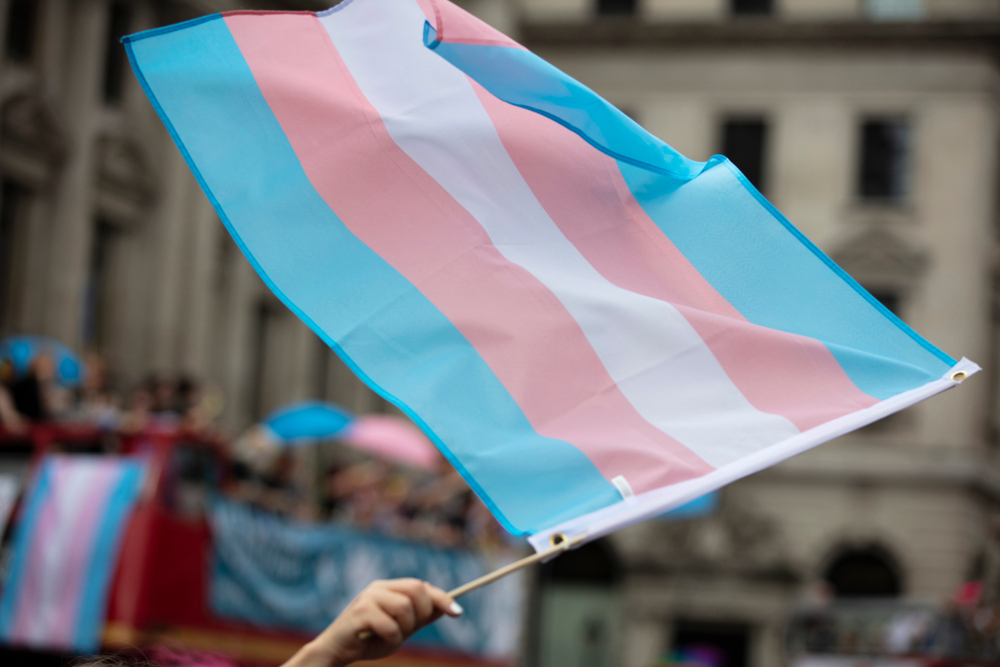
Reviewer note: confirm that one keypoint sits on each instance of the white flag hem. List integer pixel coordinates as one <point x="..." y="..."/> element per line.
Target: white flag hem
<point x="653" y="503"/>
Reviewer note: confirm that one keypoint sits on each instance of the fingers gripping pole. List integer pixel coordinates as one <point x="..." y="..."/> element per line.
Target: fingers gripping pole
<point x="560" y="544"/>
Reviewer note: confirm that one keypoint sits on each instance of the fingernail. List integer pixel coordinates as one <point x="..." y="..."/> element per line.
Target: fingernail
<point x="456" y="609"/>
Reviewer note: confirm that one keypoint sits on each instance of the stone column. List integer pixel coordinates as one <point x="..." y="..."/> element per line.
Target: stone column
<point x="304" y="355"/>
<point x="38" y="266"/>
<point x="203" y="242"/>
<point x="644" y="641"/>
<point x="72" y="228"/>
<point x="130" y="356"/>
<point x="175" y="199"/>
<point x="51" y="55"/>
<point x="236" y="338"/>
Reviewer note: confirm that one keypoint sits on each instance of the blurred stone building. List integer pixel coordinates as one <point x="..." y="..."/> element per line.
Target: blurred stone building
<point x="871" y="124"/>
<point x="873" y="127"/>
<point x="107" y="241"/>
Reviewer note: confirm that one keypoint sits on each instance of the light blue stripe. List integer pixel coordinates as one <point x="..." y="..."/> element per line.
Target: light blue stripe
<point x="764" y="267"/>
<point x="36" y="498"/>
<point x="92" y="609"/>
<point x="757" y="260"/>
<point x="525" y="80"/>
<point x="396" y="340"/>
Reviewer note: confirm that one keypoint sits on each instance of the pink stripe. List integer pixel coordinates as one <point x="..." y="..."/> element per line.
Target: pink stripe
<point x="84" y="535"/>
<point x="504" y="312"/>
<point x="33" y="617"/>
<point x="583" y="191"/>
<point x="454" y="24"/>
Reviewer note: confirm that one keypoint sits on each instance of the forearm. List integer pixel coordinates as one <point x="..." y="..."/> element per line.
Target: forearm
<point x="313" y="655"/>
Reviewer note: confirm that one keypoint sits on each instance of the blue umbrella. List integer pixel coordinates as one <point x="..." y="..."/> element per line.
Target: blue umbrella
<point x="307" y="420"/>
<point x="20" y="351"/>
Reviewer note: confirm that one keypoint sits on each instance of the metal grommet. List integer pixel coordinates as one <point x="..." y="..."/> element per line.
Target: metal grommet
<point x="958" y="376"/>
<point x="555" y="539"/>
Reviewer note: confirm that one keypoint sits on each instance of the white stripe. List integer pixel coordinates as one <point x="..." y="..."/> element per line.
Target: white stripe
<point x="73" y="481"/>
<point x="654" y="355"/>
<point x="654" y="503"/>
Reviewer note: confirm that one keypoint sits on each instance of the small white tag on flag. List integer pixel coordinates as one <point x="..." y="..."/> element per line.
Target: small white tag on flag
<point x="623" y="487"/>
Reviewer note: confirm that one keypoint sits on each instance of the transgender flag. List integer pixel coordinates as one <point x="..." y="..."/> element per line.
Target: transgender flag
<point x="65" y="550"/>
<point x="592" y="328"/>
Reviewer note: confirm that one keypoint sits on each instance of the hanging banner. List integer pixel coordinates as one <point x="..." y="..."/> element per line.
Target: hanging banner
<point x="278" y="573"/>
<point x="66" y="548"/>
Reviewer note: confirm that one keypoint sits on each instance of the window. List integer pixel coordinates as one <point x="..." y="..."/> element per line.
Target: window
<point x="888" y="297"/>
<point x="12" y="203"/>
<point x="751" y="7"/>
<point x="702" y="642"/>
<point x="895" y="10"/>
<point x="119" y="17"/>
<point x="615" y="7"/>
<point x="744" y="143"/>
<point x="21" y="26"/>
<point x="595" y="563"/>
<point x="864" y="572"/>
<point x="885" y="154"/>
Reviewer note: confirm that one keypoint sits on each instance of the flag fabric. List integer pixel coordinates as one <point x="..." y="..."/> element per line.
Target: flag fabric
<point x="66" y="548"/>
<point x="592" y="327"/>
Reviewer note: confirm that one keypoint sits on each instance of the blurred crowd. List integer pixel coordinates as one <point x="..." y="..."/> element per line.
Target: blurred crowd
<point x="434" y="506"/>
<point x="36" y="395"/>
<point x="316" y="482"/>
<point x="969" y="631"/>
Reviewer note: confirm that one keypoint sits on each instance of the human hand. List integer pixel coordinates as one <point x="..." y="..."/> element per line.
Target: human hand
<point x="385" y="613"/>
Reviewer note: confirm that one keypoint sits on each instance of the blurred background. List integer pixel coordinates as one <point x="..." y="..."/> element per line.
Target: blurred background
<point x="871" y="124"/>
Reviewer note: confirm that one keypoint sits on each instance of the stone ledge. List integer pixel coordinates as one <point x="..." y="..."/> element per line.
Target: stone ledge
<point x="966" y="36"/>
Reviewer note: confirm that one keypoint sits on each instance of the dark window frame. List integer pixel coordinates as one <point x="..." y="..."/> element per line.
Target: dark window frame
<point x="751" y="7"/>
<point x="750" y="153"/>
<point x="616" y="7"/>
<point x="14" y="202"/>
<point x="733" y="639"/>
<point x="846" y="573"/>
<point x="884" y="159"/>
<point x="119" y="20"/>
<point x="21" y="31"/>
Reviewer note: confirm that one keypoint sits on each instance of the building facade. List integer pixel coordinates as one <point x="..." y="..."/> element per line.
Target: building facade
<point x="108" y="242"/>
<point x="873" y="127"/>
<point x="871" y="124"/>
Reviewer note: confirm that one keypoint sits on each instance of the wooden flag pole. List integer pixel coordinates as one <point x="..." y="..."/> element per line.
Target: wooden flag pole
<point x="559" y="546"/>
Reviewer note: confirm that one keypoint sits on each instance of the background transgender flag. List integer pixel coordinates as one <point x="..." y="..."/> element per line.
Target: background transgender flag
<point x="576" y="313"/>
<point x="65" y="551"/>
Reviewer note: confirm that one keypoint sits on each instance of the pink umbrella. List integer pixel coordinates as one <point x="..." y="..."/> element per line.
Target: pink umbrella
<point x="392" y="438"/>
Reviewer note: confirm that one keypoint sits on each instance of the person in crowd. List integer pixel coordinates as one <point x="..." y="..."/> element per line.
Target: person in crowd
<point x="33" y="396"/>
<point x="97" y="404"/>
<point x="11" y="420"/>
<point x="140" y="405"/>
<point x="435" y="507"/>
<point x="190" y="402"/>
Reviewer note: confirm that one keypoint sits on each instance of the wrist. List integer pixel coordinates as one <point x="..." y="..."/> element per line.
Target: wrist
<point x="315" y="655"/>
